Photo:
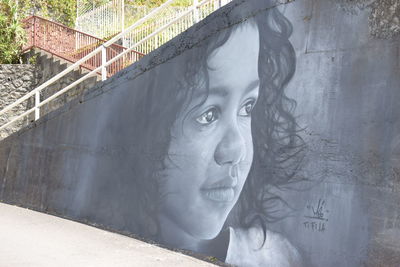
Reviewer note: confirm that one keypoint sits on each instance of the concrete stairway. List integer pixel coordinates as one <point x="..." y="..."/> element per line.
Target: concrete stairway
<point x="45" y="67"/>
<point x="49" y="65"/>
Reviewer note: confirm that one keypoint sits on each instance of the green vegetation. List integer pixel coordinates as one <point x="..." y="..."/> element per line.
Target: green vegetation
<point x="62" y="11"/>
<point x="139" y="8"/>
<point x="90" y="4"/>
<point x="12" y="35"/>
<point x="156" y="3"/>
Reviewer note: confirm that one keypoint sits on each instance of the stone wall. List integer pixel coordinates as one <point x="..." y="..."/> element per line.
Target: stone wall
<point x="16" y="80"/>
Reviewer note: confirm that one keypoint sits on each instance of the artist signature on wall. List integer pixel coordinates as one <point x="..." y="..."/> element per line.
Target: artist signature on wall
<point x="316" y="216"/>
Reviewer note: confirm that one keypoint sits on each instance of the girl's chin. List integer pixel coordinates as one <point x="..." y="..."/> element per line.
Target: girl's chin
<point x="209" y="231"/>
<point x="208" y="236"/>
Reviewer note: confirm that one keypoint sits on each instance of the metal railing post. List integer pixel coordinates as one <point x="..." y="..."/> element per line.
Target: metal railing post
<point x="103" y="63"/>
<point x="37" y="108"/>
<point x="34" y="31"/>
<point x="122" y="17"/>
<point x="195" y="11"/>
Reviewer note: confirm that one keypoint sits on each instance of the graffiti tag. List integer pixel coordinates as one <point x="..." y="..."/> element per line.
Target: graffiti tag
<point x="317" y="217"/>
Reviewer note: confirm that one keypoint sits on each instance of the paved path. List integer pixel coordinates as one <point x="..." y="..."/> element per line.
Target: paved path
<point x="29" y="238"/>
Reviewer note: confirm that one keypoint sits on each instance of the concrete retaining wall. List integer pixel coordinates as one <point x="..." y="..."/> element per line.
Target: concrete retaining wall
<point x="318" y="162"/>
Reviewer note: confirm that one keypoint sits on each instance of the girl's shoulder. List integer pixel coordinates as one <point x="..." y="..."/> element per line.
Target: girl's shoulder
<point x="247" y="248"/>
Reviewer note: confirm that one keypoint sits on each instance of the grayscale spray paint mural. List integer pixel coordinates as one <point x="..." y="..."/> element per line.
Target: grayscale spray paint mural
<point x="210" y="131"/>
<point x="263" y="136"/>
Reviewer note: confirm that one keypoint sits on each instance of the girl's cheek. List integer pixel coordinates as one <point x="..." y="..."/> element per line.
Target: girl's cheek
<point x="204" y="154"/>
<point x="245" y="127"/>
<point x="249" y="147"/>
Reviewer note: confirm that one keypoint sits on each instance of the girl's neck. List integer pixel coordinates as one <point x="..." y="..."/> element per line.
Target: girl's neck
<point x="174" y="236"/>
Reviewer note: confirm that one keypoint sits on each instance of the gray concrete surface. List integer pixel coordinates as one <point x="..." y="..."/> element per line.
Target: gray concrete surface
<point x="30" y="238"/>
<point x="79" y="160"/>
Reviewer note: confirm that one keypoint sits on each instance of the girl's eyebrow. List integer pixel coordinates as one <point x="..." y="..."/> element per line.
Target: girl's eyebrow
<point x="223" y="91"/>
<point x="253" y="85"/>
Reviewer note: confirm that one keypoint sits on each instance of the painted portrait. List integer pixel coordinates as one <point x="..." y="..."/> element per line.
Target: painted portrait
<point x="207" y="134"/>
<point x="267" y="134"/>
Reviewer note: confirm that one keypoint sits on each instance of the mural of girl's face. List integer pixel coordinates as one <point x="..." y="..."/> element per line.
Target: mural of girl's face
<point x="211" y="148"/>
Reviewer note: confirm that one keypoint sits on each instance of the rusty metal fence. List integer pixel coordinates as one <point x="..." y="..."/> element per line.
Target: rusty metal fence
<point x="73" y="45"/>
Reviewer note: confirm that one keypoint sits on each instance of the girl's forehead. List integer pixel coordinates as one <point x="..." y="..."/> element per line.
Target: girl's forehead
<point x="243" y="42"/>
<point x="232" y="65"/>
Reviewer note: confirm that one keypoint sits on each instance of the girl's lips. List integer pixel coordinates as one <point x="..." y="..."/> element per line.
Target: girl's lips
<point x="227" y="182"/>
<point x="223" y="190"/>
<point x="222" y="194"/>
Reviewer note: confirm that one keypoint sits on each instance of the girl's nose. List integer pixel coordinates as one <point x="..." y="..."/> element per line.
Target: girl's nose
<point x="232" y="148"/>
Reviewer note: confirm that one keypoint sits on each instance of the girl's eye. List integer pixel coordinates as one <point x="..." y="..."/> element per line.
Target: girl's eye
<point x="245" y="110"/>
<point x="208" y="117"/>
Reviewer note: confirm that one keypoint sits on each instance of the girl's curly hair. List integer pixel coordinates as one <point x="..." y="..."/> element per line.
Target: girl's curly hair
<point x="161" y="93"/>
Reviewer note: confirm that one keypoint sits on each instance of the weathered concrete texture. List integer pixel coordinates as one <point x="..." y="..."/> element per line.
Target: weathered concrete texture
<point x="384" y="19"/>
<point x="347" y="88"/>
<point x="30" y="239"/>
<point x="353" y="6"/>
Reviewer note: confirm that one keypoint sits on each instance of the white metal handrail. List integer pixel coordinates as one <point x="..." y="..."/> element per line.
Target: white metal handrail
<point x="82" y="60"/>
<point x="102" y="21"/>
<point x="105" y="63"/>
<point x="92" y="22"/>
